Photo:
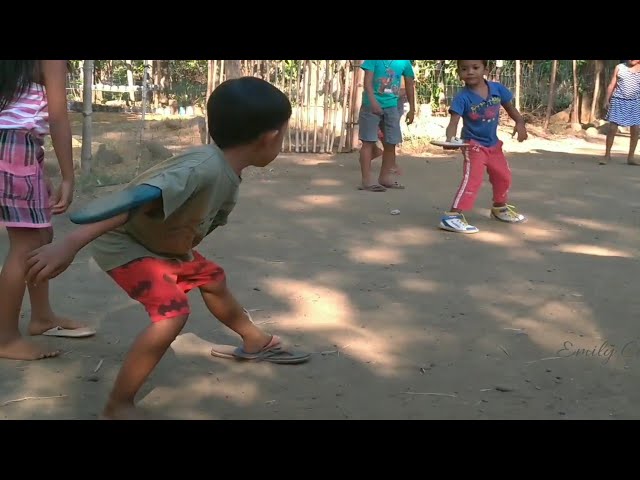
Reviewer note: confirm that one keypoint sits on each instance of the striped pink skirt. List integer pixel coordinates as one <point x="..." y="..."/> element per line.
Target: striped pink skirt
<point x="24" y="198"/>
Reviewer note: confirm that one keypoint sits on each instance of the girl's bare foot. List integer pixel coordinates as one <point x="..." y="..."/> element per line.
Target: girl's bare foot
<point x="18" y="348"/>
<point x="38" y="326"/>
<point x="605" y="160"/>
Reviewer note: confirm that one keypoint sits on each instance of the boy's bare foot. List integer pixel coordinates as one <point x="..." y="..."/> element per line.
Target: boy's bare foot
<point x="18" y="348"/>
<point x="389" y="182"/>
<point x="606" y="159"/>
<point x="256" y="343"/>
<point x="38" y="326"/>
<point x="122" y="411"/>
<point x="632" y="161"/>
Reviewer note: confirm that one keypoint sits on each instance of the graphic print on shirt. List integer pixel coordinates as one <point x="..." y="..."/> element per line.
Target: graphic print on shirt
<point x="390" y="82"/>
<point x="487" y="111"/>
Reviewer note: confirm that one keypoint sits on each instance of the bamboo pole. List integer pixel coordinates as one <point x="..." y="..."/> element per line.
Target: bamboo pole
<point x="334" y="122"/>
<point x="211" y="74"/>
<point x="334" y="105"/>
<point x="325" y="116"/>
<point x="291" y="96"/>
<point x="357" y="86"/>
<point x="307" y="103"/>
<point x="315" y="109"/>
<point x="345" y="94"/>
<point x="279" y="65"/>
<point x="329" y="97"/>
<point x="299" y="106"/>
<point x="518" y="80"/>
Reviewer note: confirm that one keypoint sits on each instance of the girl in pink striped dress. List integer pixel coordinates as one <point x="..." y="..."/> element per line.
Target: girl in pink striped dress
<point x="32" y="104"/>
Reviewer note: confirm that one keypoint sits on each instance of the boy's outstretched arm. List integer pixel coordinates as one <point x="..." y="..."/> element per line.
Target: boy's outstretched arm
<point x="410" y="89"/>
<point x="51" y="260"/>
<point x="452" y="128"/>
<point x="516" y="117"/>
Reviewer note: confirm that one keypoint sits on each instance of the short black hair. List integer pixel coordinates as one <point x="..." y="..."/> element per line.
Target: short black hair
<point x="239" y="110"/>
<point x="485" y="63"/>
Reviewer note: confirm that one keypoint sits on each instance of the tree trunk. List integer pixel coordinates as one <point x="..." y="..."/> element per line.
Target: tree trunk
<point x="164" y="81"/>
<point x="145" y="97"/>
<point x="598" y="69"/>
<point x="132" y="95"/>
<point x="552" y="93"/>
<point x="233" y="68"/>
<point x="156" y="81"/>
<point x="575" y="113"/>
<point x="87" y="110"/>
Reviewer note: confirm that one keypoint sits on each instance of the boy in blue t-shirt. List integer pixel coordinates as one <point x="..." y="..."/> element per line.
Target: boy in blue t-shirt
<point x="382" y="83"/>
<point x="478" y="104"/>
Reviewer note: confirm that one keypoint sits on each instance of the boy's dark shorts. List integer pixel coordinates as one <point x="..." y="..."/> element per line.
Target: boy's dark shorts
<point x="161" y="286"/>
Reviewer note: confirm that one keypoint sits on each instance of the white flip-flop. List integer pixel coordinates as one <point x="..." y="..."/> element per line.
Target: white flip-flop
<point x="70" y="332"/>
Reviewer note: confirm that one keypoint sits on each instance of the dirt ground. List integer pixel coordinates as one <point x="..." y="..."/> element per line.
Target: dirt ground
<point x="536" y="321"/>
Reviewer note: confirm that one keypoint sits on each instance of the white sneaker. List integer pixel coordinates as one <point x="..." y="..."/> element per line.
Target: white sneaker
<point x="507" y="214"/>
<point x="455" y="222"/>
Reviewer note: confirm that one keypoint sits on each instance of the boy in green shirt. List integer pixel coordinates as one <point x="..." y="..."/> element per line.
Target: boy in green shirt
<point x="149" y="251"/>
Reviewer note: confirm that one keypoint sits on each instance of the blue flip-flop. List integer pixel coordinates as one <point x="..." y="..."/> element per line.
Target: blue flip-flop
<point x="272" y="352"/>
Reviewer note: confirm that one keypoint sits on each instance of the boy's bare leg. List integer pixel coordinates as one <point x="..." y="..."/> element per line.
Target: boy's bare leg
<point x="223" y="305"/>
<point x="377" y="152"/>
<point x="145" y="353"/>
<point x="388" y="165"/>
<point x="366" y="156"/>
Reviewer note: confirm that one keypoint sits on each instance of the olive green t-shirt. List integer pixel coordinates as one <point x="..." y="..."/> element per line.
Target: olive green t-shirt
<point x="199" y="190"/>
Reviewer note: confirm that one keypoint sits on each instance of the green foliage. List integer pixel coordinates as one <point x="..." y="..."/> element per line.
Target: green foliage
<point x="188" y="71"/>
<point x="432" y="79"/>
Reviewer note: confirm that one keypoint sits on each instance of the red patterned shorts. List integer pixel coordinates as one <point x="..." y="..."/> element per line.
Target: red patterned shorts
<point x="161" y="286"/>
